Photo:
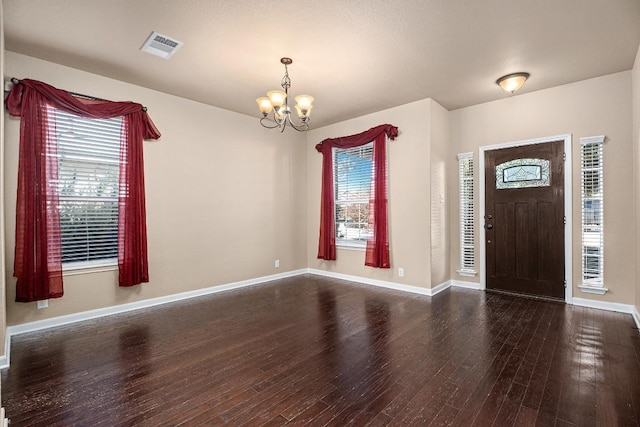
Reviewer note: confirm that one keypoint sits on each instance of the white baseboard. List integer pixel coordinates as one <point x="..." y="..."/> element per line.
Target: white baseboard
<point x="5" y="360"/>
<point x="382" y="283"/>
<point x="611" y="306"/>
<point x="441" y="287"/>
<point x="465" y="284"/>
<point x="123" y="308"/>
<point x="603" y="305"/>
<point x="636" y="316"/>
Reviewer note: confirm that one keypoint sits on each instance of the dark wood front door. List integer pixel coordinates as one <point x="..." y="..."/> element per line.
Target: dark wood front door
<point x="524" y="219"/>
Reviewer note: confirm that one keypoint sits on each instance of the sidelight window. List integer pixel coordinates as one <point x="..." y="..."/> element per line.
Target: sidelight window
<point x="467" y="227"/>
<point x="592" y="210"/>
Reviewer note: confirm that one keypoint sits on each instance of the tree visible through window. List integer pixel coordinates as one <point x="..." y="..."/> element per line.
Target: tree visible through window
<point x="353" y="171"/>
<point x="88" y="175"/>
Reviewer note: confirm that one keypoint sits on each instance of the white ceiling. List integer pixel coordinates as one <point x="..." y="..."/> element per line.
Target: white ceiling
<point x="354" y="56"/>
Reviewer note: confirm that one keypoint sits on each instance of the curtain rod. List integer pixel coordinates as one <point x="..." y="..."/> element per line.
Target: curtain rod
<point x="15" y="81"/>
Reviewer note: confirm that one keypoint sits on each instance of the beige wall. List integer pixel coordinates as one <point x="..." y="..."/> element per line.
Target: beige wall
<point x="3" y="310"/>
<point x="409" y="194"/>
<point x="441" y="173"/>
<point x="587" y="108"/>
<point x="636" y="167"/>
<point x="225" y="197"/>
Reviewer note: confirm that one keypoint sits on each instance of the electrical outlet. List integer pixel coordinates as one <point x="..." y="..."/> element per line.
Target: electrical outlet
<point x="401" y="272"/>
<point x="277" y="263"/>
<point x="43" y="304"/>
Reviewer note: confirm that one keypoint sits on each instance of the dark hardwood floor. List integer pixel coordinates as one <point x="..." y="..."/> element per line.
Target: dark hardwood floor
<point x="317" y="351"/>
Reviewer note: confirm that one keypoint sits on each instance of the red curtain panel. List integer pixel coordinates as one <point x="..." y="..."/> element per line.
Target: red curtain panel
<point x="38" y="253"/>
<point x="377" y="253"/>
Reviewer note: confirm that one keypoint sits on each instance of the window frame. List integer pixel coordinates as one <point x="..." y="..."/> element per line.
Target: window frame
<point x="467" y="258"/>
<point x="352" y="244"/>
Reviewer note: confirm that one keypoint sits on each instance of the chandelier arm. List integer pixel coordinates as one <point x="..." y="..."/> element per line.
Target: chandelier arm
<point x="269" y="120"/>
<point x="301" y="127"/>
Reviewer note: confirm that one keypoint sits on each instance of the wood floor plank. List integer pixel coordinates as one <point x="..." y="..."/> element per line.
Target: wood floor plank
<point x="309" y="350"/>
<point x="540" y="376"/>
<point x="468" y="384"/>
<point x="526" y="417"/>
<point x="509" y="409"/>
<point x="309" y="414"/>
<point x="445" y="417"/>
<point x="499" y="355"/>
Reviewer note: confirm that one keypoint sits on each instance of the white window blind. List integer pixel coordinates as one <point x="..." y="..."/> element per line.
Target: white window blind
<point x="592" y="210"/>
<point x="88" y="173"/>
<point x="467" y="228"/>
<point x="352" y="175"/>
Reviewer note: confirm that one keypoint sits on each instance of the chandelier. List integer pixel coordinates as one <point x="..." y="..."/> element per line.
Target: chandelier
<point x="275" y="108"/>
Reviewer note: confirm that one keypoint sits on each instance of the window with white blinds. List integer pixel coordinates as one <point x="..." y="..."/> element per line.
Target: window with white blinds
<point x="592" y="210"/>
<point x="467" y="227"/>
<point x="352" y="175"/>
<point x="88" y="174"/>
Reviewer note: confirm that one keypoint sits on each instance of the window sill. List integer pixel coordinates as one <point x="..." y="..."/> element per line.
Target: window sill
<point x="467" y="273"/>
<point x="351" y="247"/>
<point x="74" y="269"/>
<point x="589" y="289"/>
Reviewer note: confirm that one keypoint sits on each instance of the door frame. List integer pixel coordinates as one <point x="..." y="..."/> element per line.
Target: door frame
<point x="568" y="258"/>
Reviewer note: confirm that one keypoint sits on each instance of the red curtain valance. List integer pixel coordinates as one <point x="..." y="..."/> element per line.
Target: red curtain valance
<point x="38" y="253"/>
<point x="63" y="100"/>
<point x="358" y="139"/>
<point x="377" y="254"/>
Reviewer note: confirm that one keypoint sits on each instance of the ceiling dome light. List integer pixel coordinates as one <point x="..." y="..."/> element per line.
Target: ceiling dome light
<point x="512" y="82"/>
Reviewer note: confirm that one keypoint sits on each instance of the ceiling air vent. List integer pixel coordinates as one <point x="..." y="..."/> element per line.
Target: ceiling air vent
<point x="160" y="45"/>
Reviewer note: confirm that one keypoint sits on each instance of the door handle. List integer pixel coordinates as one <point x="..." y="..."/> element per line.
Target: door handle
<point x="489" y="226"/>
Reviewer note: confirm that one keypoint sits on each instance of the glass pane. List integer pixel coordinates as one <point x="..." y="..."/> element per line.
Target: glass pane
<point x="352" y="221"/>
<point x="88" y="155"/>
<point x="523" y="173"/>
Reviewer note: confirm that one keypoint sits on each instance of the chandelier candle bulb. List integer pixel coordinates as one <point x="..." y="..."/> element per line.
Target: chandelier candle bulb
<point x="303" y="105"/>
<point x="277" y="98"/>
<point x="265" y="105"/>
<point x="304" y="101"/>
<point x="303" y="112"/>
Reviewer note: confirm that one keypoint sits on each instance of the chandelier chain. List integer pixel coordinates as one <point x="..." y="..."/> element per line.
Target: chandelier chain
<point x="286" y="81"/>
